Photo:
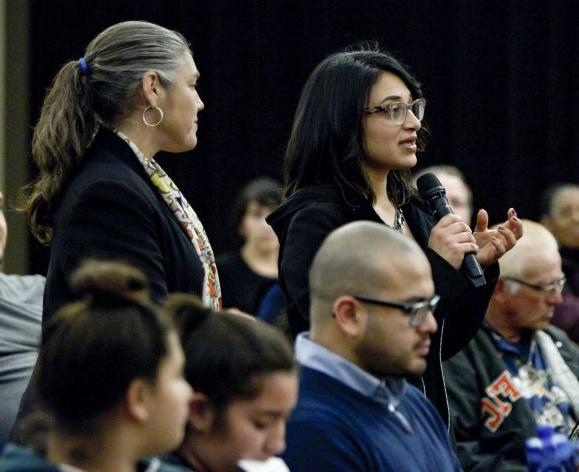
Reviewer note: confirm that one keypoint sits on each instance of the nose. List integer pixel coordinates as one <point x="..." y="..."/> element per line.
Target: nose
<point x="429" y="326"/>
<point x="411" y="122"/>
<point x="556" y="299"/>
<point x="200" y="104"/>
<point x="275" y="442"/>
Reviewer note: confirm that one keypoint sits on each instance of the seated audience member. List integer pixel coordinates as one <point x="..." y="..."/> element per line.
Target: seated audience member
<point x="110" y="377"/>
<point x="245" y="385"/>
<point x="560" y="214"/>
<point x="518" y="372"/>
<point x="458" y="192"/>
<point x="372" y="298"/>
<point x="247" y="274"/>
<point x="20" y="322"/>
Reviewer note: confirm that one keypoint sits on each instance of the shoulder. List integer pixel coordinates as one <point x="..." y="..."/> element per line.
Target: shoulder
<point x="18" y="459"/>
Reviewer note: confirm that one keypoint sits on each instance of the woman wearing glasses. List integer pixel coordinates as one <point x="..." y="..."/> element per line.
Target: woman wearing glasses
<point x="355" y="136"/>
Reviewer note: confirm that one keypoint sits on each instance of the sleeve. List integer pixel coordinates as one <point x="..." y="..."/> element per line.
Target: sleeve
<point x="462" y="305"/>
<point x="476" y="450"/>
<point x="316" y="446"/>
<point x="114" y="221"/>
<point x="306" y="232"/>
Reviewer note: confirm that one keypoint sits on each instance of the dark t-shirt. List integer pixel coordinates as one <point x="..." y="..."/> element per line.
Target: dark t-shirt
<point x="241" y="287"/>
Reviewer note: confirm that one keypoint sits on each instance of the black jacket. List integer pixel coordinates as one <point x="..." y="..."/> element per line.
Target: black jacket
<point x="308" y="216"/>
<point x="111" y="210"/>
<point x="468" y="376"/>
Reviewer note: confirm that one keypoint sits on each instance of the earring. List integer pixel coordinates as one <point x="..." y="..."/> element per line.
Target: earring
<point x="152" y="125"/>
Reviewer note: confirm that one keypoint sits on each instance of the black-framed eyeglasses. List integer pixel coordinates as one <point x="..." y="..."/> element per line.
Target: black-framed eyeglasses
<point x="396" y="112"/>
<point x="549" y="290"/>
<point x="417" y="312"/>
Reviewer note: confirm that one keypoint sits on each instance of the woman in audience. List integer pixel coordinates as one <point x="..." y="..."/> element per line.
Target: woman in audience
<point x="100" y="192"/>
<point x="356" y="133"/>
<point x="110" y="377"/>
<point x="247" y="274"/>
<point x="245" y="385"/>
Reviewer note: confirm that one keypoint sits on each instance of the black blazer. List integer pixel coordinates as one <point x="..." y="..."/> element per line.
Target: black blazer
<point x="111" y="210"/>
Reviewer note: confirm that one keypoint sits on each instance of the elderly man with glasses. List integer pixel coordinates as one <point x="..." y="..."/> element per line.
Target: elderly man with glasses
<point x="372" y="298"/>
<point x="519" y="371"/>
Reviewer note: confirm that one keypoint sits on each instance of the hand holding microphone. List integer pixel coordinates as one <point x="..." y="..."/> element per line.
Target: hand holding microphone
<point x="451" y="238"/>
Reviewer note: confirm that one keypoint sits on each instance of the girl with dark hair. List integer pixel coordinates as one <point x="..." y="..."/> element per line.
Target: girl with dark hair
<point x="245" y="383"/>
<point x="247" y="274"/>
<point x="109" y="376"/>
<point x="356" y="132"/>
<point x="100" y="193"/>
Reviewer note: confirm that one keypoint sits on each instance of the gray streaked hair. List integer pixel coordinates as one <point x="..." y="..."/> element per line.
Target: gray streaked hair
<point x="81" y="99"/>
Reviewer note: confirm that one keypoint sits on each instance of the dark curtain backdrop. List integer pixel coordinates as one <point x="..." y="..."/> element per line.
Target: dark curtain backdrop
<point x="500" y="78"/>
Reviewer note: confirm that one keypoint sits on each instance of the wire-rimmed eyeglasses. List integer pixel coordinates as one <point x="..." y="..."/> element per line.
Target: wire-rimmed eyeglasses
<point x="417" y="312"/>
<point x="549" y="290"/>
<point x="396" y="112"/>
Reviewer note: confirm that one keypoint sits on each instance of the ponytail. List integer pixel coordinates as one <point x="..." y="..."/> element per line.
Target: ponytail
<point x="97" y="90"/>
<point x="64" y="131"/>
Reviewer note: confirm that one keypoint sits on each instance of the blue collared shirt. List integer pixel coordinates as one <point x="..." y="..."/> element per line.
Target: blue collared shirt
<point x="387" y="393"/>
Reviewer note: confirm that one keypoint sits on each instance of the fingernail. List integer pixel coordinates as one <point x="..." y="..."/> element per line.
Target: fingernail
<point x="501" y="227"/>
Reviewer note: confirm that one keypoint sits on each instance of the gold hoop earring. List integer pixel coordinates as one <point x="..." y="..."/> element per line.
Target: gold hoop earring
<point x="152" y="125"/>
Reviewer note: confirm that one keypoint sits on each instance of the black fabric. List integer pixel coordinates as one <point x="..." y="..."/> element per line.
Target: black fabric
<point x="241" y="287"/>
<point x="499" y="77"/>
<point x="468" y="375"/>
<point x="111" y="210"/>
<point x="308" y="216"/>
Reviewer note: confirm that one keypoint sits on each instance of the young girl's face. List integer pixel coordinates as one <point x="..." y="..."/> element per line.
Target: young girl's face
<point x="255" y="429"/>
<point x="168" y="402"/>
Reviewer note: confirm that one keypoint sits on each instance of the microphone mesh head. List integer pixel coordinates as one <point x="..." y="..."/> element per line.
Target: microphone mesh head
<point x="427" y="183"/>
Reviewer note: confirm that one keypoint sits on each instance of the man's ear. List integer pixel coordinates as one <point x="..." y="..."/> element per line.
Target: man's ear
<point x="136" y="400"/>
<point x="501" y="292"/>
<point x="201" y="413"/>
<point x="151" y="88"/>
<point x="349" y="315"/>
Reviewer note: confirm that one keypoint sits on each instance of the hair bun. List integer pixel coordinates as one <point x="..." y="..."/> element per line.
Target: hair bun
<point x="105" y="281"/>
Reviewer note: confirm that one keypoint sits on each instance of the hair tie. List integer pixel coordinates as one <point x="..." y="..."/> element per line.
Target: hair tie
<point x="83" y="66"/>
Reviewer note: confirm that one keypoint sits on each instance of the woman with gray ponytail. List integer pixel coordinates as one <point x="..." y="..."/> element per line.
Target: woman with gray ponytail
<point x="100" y="192"/>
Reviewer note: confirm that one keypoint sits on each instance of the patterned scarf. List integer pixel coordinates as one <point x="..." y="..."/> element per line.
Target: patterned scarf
<point x="188" y="220"/>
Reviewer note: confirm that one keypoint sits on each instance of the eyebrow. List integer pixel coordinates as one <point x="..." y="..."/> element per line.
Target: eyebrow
<point x="392" y="97"/>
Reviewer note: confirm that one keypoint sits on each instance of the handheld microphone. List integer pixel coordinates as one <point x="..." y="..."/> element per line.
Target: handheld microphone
<point x="434" y="194"/>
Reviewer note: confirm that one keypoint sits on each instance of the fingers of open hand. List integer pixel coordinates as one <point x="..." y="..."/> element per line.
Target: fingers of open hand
<point x="507" y="237"/>
<point x="514" y="224"/>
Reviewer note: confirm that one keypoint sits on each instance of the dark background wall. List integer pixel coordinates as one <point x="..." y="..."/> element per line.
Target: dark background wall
<point x="500" y="78"/>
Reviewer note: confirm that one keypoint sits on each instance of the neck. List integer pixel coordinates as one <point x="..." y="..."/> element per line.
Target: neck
<point x="199" y="453"/>
<point x="134" y="129"/>
<point x="109" y="452"/>
<point x="333" y="341"/>
<point x="260" y="261"/>
<point x="498" y="321"/>
<point x="378" y="179"/>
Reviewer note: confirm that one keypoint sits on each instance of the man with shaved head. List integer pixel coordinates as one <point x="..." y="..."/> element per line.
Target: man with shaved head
<point x="372" y="297"/>
<point x="518" y="372"/>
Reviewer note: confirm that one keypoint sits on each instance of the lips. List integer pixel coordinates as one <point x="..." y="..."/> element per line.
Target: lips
<point x="410" y="140"/>
<point x="423" y="348"/>
<point x="409" y="143"/>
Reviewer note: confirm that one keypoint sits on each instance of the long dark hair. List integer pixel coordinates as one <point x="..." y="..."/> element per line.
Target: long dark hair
<point x="93" y="348"/>
<point x="327" y="140"/>
<point x="227" y="355"/>
<point x="81" y="98"/>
